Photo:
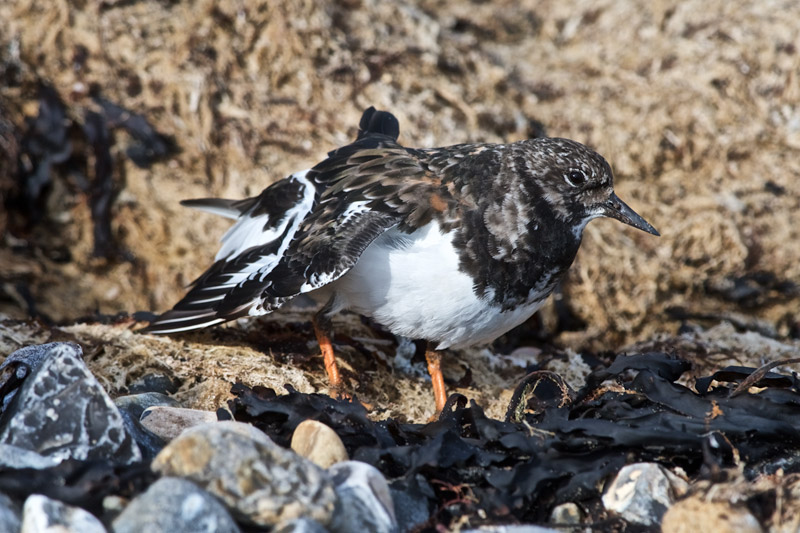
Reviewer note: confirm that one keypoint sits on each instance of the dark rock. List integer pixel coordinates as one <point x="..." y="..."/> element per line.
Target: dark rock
<point x="160" y="383"/>
<point x="412" y="500"/>
<point x="9" y="515"/>
<point x="173" y="505"/>
<point x="40" y="514"/>
<point x="62" y="411"/>
<point x="260" y="482"/>
<point x="157" y="383"/>
<point x="365" y="502"/>
<point x="131" y="408"/>
<point x="17" y="367"/>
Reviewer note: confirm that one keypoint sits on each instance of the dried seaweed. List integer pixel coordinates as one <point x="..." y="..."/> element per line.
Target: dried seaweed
<point x="54" y="141"/>
<point x="563" y="445"/>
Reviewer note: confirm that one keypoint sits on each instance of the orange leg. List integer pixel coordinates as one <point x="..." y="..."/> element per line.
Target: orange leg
<point x="435" y="370"/>
<point x="328" y="356"/>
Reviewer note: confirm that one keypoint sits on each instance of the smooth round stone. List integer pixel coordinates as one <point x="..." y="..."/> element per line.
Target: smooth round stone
<point x="318" y="443"/>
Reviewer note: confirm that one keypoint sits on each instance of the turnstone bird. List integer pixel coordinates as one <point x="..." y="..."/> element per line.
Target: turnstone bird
<point x="453" y="245"/>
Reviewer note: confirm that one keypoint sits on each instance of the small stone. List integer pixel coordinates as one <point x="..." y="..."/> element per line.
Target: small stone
<point x="17" y="458"/>
<point x="131" y="408"/>
<point x="260" y="482"/>
<point x="9" y="514"/>
<point x="169" y="422"/>
<point x="695" y="514"/>
<point x="566" y="514"/>
<point x="412" y="497"/>
<point x="40" y="514"/>
<point x="365" y="502"/>
<point x="61" y="411"/>
<point x="300" y="525"/>
<point x="318" y="443"/>
<point x="173" y="505"/>
<point x="642" y="492"/>
<point x="155" y="383"/>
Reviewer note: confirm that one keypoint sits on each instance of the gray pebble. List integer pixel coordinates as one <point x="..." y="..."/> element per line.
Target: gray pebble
<point x="173" y="505"/>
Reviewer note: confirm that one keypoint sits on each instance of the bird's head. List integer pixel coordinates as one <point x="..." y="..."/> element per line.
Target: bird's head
<point x="577" y="183"/>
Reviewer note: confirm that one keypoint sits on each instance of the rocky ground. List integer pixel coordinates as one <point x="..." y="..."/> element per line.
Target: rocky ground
<point x="111" y="112"/>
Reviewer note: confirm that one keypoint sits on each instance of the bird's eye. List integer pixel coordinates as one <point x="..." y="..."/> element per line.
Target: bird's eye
<point x="576" y="178"/>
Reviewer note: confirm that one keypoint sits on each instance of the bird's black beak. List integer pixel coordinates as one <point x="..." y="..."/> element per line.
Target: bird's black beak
<point x="616" y="208"/>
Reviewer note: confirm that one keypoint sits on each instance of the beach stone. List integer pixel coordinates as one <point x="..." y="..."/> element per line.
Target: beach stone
<point x="412" y="497"/>
<point x="9" y="515"/>
<point x="41" y="514"/>
<point x="131" y="408"/>
<point x="566" y="514"/>
<point x="61" y="411"/>
<point x="300" y="525"/>
<point x="642" y="492"/>
<point x="318" y="443"/>
<point x="173" y="505"/>
<point x="260" y="482"/>
<point x="365" y="502"/>
<point x="168" y="422"/>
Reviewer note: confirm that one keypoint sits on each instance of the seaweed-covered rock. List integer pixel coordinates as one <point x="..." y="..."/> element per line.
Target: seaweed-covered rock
<point x="61" y="411"/>
<point x="173" y="505"/>
<point x="260" y="482"/>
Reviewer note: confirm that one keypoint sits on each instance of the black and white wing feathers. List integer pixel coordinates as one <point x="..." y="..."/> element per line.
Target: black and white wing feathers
<point x="250" y="249"/>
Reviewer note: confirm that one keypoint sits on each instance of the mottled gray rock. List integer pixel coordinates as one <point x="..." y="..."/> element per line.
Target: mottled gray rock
<point x="169" y="422"/>
<point x="19" y="365"/>
<point x="16" y="457"/>
<point x="9" y="515"/>
<point x="61" y="411"/>
<point x="318" y="443"/>
<point x="300" y="525"/>
<point x="131" y="408"/>
<point x="40" y="514"/>
<point x="260" y="482"/>
<point x="173" y="505"/>
<point x="365" y="503"/>
<point x="642" y="492"/>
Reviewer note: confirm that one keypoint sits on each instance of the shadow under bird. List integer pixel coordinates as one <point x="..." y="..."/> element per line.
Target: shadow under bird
<point x="453" y="245"/>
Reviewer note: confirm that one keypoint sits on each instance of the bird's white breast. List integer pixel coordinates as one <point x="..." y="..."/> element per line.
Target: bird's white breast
<point x="411" y="284"/>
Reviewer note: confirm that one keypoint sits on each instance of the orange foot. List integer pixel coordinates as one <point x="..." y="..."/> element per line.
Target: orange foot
<point x="435" y="370"/>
